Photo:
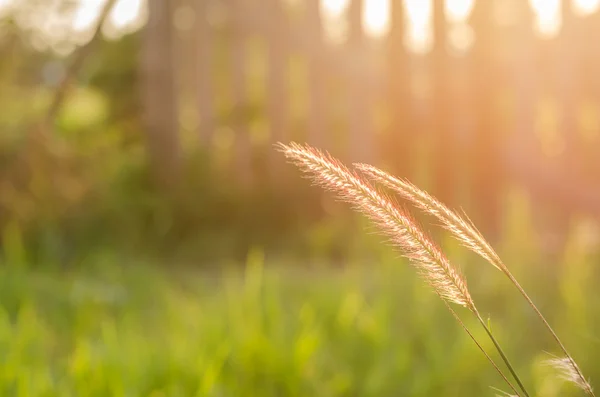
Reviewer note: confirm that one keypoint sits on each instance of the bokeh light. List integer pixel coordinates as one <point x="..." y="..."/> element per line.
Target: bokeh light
<point x="458" y="10"/>
<point x="419" y="37"/>
<point x="548" y="19"/>
<point x="586" y="7"/>
<point x="376" y="17"/>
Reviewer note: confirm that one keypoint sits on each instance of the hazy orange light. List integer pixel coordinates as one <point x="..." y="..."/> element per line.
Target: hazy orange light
<point x="334" y="24"/>
<point x="376" y="17"/>
<point x="130" y="15"/>
<point x="586" y="7"/>
<point x="458" y="10"/>
<point x="87" y="13"/>
<point x="375" y="21"/>
<point x="419" y="37"/>
<point x="5" y="5"/>
<point x="548" y="17"/>
<point x="126" y="13"/>
<point x="334" y="7"/>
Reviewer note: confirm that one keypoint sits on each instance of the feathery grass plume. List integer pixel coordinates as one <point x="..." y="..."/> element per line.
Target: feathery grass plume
<point x="462" y="229"/>
<point x="466" y="232"/>
<point x="568" y="372"/>
<point x="401" y="229"/>
<point x="395" y="224"/>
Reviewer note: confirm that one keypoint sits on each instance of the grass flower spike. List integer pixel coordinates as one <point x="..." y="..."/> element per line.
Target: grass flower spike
<point x="401" y="229"/>
<point x="568" y="372"/>
<point x="466" y="232"/>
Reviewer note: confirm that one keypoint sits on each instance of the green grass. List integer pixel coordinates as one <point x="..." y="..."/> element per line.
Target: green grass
<point x="272" y="329"/>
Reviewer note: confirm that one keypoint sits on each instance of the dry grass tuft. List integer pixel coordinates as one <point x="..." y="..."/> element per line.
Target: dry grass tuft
<point x="569" y="372"/>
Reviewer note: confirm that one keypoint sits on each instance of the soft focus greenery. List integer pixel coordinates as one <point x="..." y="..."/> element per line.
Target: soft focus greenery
<point x="110" y="286"/>
<point x="273" y="328"/>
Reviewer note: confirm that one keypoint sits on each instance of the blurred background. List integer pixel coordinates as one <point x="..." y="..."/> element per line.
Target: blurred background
<point x="153" y="242"/>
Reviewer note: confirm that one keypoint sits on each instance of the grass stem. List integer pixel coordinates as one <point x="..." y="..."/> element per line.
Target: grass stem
<point x="499" y="349"/>
<point x="462" y="324"/>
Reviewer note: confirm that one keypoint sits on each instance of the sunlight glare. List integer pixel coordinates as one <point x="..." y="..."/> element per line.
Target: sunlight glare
<point x="87" y="14"/>
<point x="335" y="26"/>
<point x="548" y="18"/>
<point x="419" y="35"/>
<point x="131" y="15"/>
<point x="334" y="8"/>
<point x="461" y="37"/>
<point x="376" y="17"/>
<point x="460" y="34"/>
<point x="586" y="7"/>
<point x="126" y="17"/>
<point x="126" y="13"/>
<point x="5" y="6"/>
<point x="458" y="11"/>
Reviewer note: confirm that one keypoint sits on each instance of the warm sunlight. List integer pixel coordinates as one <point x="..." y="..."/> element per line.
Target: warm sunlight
<point x="419" y="31"/>
<point x="460" y="34"/>
<point x="61" y="31"/>
<point x="130" y="15"/>
<point x="4" y="6"/>
<point x="86" y="14"/>
<point x="419" y="36"/>
<point x="127" y="15"/>
<point x="335" y="26"/>
<point x="334" y="7"/>
<point x="376" y="17"/>
<point x="547" y="17"/>
<point x="585" y="7"/>
<point x="458" y="10"/>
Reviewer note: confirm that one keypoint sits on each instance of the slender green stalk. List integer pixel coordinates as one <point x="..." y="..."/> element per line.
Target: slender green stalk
<point x="504" y="358"/>
<point x="481" y="348"/>
<point x="585" y="384"/>
<point x="466" y="232"/>
<point x="446" y="280"/>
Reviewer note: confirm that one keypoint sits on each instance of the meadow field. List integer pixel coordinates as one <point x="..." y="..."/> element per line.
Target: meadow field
<point x="271" y="327"/>
<point x="154" y="243"/>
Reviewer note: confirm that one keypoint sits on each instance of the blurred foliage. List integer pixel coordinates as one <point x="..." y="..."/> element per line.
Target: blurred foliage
<point x="121" y="318"/>
<point x="272" y="331"/>
<point x="86" y="183"/>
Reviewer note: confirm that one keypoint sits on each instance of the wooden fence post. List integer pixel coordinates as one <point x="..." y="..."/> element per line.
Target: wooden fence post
<point x="488" y="148"/>
<point x="522" y="140"/>
<point x="569" y="46"/>
<point x="360" y="115"/>
<point x="401" y="134"/>
<point x="444" y="144"/>
<point x="159" y="96"/>
<point x="593" y="87"/>
<point x="243" y="143"/>
<point x="318" y="70"/>
<point x="567" y="51"/>
<point x="205" y="73"/>
<point x="278" y="94"/>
